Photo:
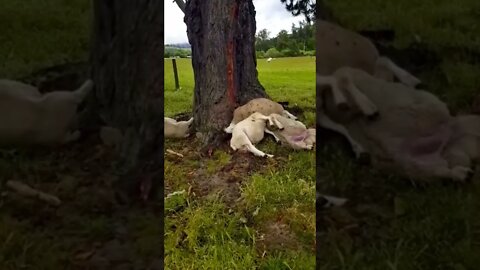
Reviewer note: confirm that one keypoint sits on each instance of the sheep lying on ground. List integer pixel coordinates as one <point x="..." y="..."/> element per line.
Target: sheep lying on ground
<point x="30" y="118"/>
<point x="338" y="47"/>
<point x="340" y="102"/>
<point x="250" y="131"/>
<point x="176" y="129"/>
<point x="415" y="134"/>
<point x="21" y="89"/>
<point x="294" y="133"/>
<point x="262" y="105"/>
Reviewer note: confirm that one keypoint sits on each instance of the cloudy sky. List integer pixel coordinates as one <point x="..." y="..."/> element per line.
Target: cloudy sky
<point x="271" y="14"/>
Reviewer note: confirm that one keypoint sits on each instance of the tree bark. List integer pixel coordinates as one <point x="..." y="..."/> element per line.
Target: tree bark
<point x="127" y="68"/>
<point x="222" y="36"/>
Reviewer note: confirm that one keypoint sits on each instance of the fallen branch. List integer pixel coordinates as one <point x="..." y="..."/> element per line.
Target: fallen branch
<point x="25" y="190"/>
<point x="175" y="193"/>
<point x="330" y="201"/>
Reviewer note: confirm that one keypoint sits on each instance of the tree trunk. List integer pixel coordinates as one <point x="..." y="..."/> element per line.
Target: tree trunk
<point x="222" y="36"/>
<point x="127" y="68"/>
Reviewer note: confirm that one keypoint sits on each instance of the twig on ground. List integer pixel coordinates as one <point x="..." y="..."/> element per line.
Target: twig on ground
<point x="25" y="190"/>
<point x="175" y="193"/>
<point x="174" y="153"/>
<point x="327" y="201"/>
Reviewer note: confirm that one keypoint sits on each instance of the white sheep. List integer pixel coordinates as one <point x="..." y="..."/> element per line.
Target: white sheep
<point x="338" y="47"/>
<point x="264" y="106"/>
<point x="294" y="133"/>
<point x="415" y="133"/>
<point x="30" y="118"/>
<point x="250" y="131"/>
<point x="176" y="129"/>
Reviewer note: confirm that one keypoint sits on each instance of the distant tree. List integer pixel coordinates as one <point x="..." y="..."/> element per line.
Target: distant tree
<point x="304" y="35"/>
<point x="283" y="40"/>
<point x="262" y="41"/>
<point x="288" y="53"/>
<point x="168" y="52"/>
<point x="263" y="34"/>
<point x="260" y="54"/>
<point x="272" y="52"/>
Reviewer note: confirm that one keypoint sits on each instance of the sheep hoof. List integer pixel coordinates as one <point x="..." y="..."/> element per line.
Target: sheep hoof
<point x="462" y="174"/>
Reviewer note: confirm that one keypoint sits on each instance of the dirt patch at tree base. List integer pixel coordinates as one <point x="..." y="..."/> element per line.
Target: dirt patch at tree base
<point x="277" y="236"/>
<point x="82" y="176"/>
<point x="228" y="179"/>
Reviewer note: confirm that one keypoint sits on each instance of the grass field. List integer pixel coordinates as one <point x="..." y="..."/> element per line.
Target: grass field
<point x="258" y="215"/>
<point x="391" y="222"/>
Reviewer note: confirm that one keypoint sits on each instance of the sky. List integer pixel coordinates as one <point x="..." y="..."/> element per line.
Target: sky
<point x="271" y="15"/>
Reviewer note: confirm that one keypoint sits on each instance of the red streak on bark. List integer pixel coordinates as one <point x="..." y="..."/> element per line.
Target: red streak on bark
<point x="231" y="89"/>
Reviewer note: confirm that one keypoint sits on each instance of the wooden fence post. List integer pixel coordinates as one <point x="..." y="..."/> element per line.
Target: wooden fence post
<point x="175" y="74"/>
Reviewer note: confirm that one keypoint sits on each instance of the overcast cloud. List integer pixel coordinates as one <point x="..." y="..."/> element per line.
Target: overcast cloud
<point x="271" y="14"/>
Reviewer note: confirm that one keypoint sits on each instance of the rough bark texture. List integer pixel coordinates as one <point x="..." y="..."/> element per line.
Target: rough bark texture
<point x="222" y="36"/>
<point x="127" y="68"/>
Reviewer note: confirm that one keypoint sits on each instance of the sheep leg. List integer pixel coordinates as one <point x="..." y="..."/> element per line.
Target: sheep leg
<point x="403" y="76"/>
<point x="304" y="145"/>
<point x="270" y="120"/>
<point x="289" y="115"/>
<point x="441" y="170"/>
<point x="339" y="98"/>
<point x="277" y="123"/>
<point x="327" y="123"/>
<point x="361" y="100"/>
<point x="458" y="158"/>
<point x="254" y="150"/>
<point x="273" y="134"/>
<point x="229" y="129"/>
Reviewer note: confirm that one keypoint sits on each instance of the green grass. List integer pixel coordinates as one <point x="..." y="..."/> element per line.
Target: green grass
<point x="38" y="34"/>
<point x="438" y="23"/>
<point x="207" y="233"/>
<point x="392" y="223"/>
<point x="281" y="78"/>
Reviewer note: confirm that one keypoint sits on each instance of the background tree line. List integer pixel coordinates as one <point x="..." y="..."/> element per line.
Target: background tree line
<point x="300" y="42"/>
